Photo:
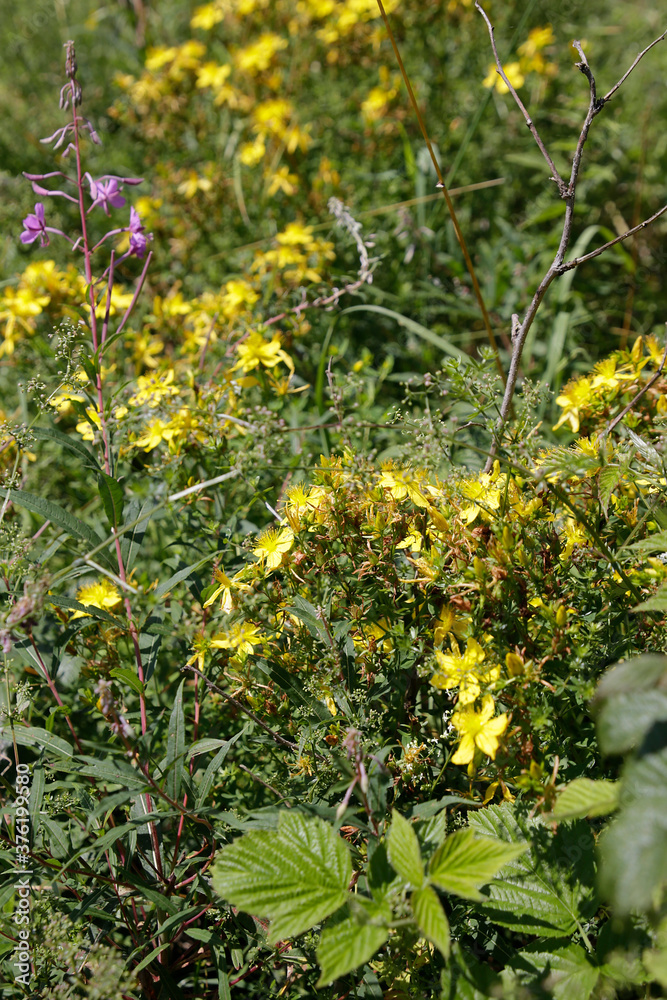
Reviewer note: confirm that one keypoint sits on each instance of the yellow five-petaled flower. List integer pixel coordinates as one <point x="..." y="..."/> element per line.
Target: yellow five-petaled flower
<point x="478" y="730"/>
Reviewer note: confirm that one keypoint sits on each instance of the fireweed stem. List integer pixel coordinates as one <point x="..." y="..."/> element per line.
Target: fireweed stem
<point x="75" y="93"/>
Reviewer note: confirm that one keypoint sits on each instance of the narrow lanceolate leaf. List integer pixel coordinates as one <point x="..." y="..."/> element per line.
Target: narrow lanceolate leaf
<point x="175" y="745"/>
<point x="346" y="946"/>
<point x="464" y="862"/>
<point x="52" y="512"/>
<point x="67" y="441"/>
<point x="296" y="876"/>
<point x="585" y="798"/>
<point x="430" y="917"/>
<point x="33" y="736"/>
<point x="404" y="853"/>
<point x="71" y="605"/>
<point x="113" y="498"/>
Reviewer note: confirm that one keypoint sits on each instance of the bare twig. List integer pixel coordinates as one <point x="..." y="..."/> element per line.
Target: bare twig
<point x="629" y="71"/>
<point x="242" y="708"/>
<point x="261" y="781"/>
<point x="569" y="264"/>
<point x="558" y="266"/>
<point x="555" y="175"/>
<point x="626" y="409"/>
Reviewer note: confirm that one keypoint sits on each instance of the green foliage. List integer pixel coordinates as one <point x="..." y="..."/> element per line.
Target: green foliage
<point x="299" y="697"/>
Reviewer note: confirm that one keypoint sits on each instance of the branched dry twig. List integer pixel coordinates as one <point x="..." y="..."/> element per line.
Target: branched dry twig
<point x="567" y="191"/>
<point x="644" y="389"/>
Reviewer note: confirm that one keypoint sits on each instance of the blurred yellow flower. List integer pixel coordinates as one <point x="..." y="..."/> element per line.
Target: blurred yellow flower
<point x="512" y="72"/>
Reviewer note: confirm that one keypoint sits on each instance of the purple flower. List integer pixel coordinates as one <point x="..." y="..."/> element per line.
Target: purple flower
<point x="137" y="238"/>
<point x="35" y="226"/>
<point x="105" y="193"/>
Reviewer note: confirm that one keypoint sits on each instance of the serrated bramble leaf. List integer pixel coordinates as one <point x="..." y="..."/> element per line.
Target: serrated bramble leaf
<point x="346" y="946"/>
<point x="624" y="720"/>
<point x="403" y="851"/>
<point x="431" y="918"/>
<point x="464" y="862"/>
<point x="296" y="876"/>
<point x="550" y="889"/>
<point x="584" y="797"/>
<point x="569" y="975"/>
<point x="633" y="847"/>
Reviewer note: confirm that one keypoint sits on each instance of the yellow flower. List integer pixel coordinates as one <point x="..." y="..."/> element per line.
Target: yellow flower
<point x="156" y="432"/>
<point x="283" y="181"/>
<point x="478" y="730"/>
<point x="403" y="483"/>
<point x="272" y="545"/>
<point x="225" y="588"/>
<point x="193" y="184"/>
<point x="84" y="427"/>
<point x="538" y="39"/>
<point x="513" y="74"/>
<point x="447" y="623"/>
<point x="483" y="492"/>
<point x="254" y="350"/>
<point x="608" y="377"/>
<point x="212" y="75"/>
<point x="252" y="153"/>
<point x="459" y="671"/>
<point x="241" y="636"/>
<point x="574" y="534"/>
<point x="575" y="396"/>
<point x="238" y="296"/>
<point x="257" y="57"/>
<point x="103" y="595"/>
<point x="207" y="17"/>
<point x="152" y="388"/>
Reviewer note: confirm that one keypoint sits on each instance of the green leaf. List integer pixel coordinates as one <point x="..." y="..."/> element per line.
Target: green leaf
<point x="624" y="720"/>
<point x="569" y="973"/>
<point x="67" y="441"/>
<point x="296" y="876"/>
<point x="633" y="848"/>
<point x="175" y="745"/>
<point x="346" y="946"/>
<point x="464" y="862"/>
<point x="639" y="674"/>
<point x="109" y="771"/>
<point x="307" y="613"/>
<point x="52" y="512"/>
<point x="403" y="851"/>
<point x="113" y="498"/>
<point x="131" y="540"/>
<point x="657" y="602"/>
<point x="409" y="324"/>
<point x="431" y="918"/>
<point x="71" y="605"/>
<point x="213" y="768"/>
<point x="585" y="798"/>
<point x="550" y="889"/>
<point x="181" y="575"/>
<point x="33" y="736"/>
<point x="128" y="677"/>
<point x="90" y="367"/>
